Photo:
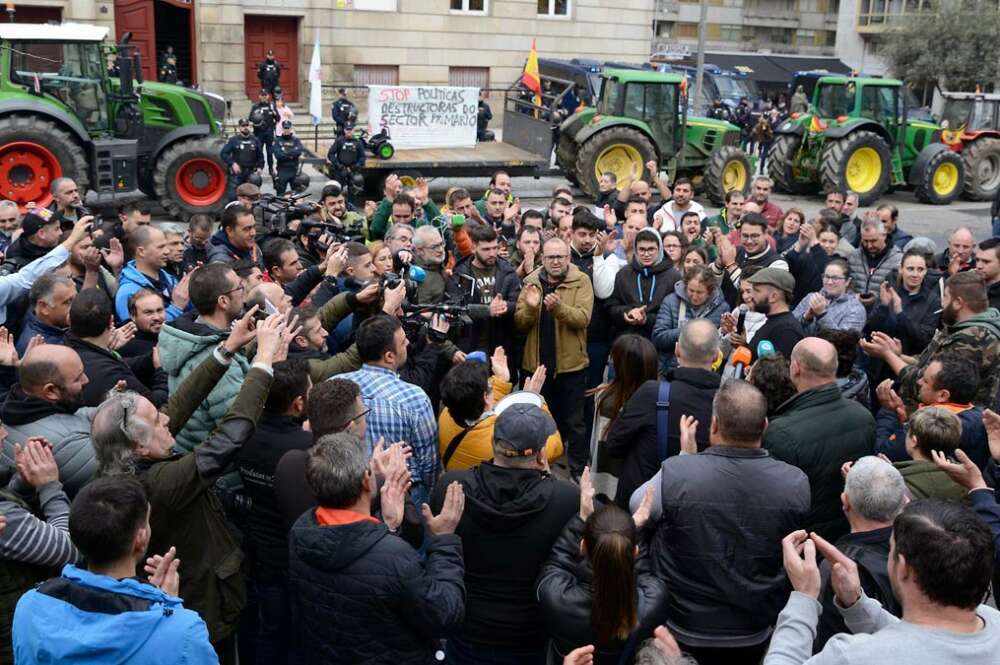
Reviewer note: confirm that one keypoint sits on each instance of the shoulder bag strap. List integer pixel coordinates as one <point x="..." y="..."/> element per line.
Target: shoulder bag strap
<point x="452" y="447"/>
<point x="662" y="424"/>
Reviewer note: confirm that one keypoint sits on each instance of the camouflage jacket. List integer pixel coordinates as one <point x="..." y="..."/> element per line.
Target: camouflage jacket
<point x="979" y="338"/>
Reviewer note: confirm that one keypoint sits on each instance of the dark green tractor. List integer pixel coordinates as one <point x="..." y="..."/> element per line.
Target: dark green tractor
<point x="641" y="116"/>
<point x="856" y="136"/>
<point x="63" y="114"/>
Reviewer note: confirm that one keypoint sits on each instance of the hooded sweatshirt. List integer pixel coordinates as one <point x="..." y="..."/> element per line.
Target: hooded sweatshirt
<point x="511" y="520"/>
<point x="132" y="280"/>
<point x="677" y="309"/>
<point x="637" y="285"/>
<point x="221" y="250"/>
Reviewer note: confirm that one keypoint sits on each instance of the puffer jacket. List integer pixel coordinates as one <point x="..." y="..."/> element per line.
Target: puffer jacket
<point x="221" y="251"/>
<point x="868" y="272"/>
<point x="184" y="344"/>
<point x="572" y="316"/>
<point x="843" y="313"/>
<point x="636" y="285"/>
<point x="68" y="431"/>
<point x="675" y="310"/>
<point x="101" y="619"/>
<point x="924" y="480"/>
<point x="131" y="281"/>
<point x="363" y="595"/>
<point x="717" y="544"/>
<point x="565" y="593"/>
<point x="817" y="431"/>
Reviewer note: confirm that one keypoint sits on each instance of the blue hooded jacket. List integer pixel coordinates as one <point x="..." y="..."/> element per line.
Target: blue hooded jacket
<point x="85" y="618"/>
<point x="132" y="280"/>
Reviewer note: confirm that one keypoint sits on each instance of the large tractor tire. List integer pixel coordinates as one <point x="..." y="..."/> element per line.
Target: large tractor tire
<point x="938" y="178"/>
<point x="614" y="149"/>
<point x="190" y="178"/>
<point x="34" y="151"/>
<point x="566" y="157"/>
<point x="982" y="169"/>
<point x="728" y="169"/>
<point x="781" y="159"/>
<point x="860" y="162"/>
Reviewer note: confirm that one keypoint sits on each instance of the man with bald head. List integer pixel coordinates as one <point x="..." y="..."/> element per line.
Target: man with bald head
<point x="269" y="293"/>
<point x="818" y="430"/>
<point x="635" y="437"/>
<point x="146" y="271"/>
<point x="46" y="403"/>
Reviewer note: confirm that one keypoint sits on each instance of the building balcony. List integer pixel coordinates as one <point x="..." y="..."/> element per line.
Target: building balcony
<point x="769" y="18"/>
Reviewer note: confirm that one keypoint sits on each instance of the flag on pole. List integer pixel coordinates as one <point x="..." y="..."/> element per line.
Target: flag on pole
<point x="316" y="84"/>
<point x="530" y="77"/>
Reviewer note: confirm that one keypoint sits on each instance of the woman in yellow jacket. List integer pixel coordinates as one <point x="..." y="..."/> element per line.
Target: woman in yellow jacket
<point x="466" y="392"/>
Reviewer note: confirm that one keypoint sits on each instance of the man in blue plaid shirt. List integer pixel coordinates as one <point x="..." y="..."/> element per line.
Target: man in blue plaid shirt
<point x="398" y="411"/>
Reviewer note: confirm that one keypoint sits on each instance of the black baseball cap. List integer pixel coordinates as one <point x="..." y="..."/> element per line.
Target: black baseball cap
<point x="243" y="122"/>
<point x="34" y="220"/>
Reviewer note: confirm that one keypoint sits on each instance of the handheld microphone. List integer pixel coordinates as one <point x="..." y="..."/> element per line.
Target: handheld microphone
<point x="765" y="348"/>
<point x="739" y="360"/>
<point x="418" y="274"/>
<point x="741" y="319"/>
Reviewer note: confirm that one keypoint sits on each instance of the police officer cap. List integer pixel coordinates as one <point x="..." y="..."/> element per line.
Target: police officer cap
<point x="263" y="91"/>
<point x="243" y="122"/>
<point x="286" y="124"/>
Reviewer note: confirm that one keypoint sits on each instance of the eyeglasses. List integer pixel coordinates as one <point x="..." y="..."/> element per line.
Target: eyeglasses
<point x="435" y="246"/>
<point x="833" y="278"/>
<point x="128" y="404"/>
<point x="652" y="250"/>
<point x="241" y="287"/>
<point x="751" y="236"/>
<point x="357" y="417"/>
<point x="555" y="257"/>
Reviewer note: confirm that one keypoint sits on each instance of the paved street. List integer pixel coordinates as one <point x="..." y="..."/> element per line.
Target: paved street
<point x="935" y="222"/>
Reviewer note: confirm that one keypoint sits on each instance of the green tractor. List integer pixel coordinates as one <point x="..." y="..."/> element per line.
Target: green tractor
<point x="63" y="114"/>
<point x="856" y="136"/>
<point x="972" y="129"/>
<point x="641" y="116"/>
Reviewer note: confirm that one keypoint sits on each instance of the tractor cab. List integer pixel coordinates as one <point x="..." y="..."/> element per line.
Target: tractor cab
<point x="969" y="111"/>
<point x="64" y="63"/>
<point x="645" y="97"/>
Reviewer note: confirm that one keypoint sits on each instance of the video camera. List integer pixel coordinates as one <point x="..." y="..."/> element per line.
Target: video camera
<point x="273" y="212"/>
<point x="354" y="232"/>
<point x="415" y="321"/>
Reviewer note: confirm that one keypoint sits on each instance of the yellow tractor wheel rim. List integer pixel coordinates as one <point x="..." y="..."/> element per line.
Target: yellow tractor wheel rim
<point x="864" y="169"/>
<point x="617" y="158"/>
<point x="945" y="179"/>
<point x="734" y="176"/>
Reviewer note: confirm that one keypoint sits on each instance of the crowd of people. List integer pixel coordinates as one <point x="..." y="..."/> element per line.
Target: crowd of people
<point x="476" y="434"/>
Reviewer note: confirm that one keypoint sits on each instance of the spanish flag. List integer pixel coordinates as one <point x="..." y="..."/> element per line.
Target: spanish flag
<point x="530" y="77"/>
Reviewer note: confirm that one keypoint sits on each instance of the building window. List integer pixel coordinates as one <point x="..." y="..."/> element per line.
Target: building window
<point x="554" y="8"/>
<point x="376" y="74"/>
<point x="470" y="77"/>
<point x="689" y="30"/>
<point x="469" y="6"/>
<point x="731" y="33"/>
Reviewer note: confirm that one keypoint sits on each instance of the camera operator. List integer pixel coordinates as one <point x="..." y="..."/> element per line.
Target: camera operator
<point x="335" y="209"/>
<point x="283" y="266"/>
<point x="399" y="240"/>
<point x="483" y="278"/>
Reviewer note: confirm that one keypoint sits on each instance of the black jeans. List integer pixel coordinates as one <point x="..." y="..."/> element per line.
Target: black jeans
<point x="564" y="395"/>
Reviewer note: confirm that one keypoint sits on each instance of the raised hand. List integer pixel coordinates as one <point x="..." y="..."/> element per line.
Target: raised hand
<point x="532" y="295"/>
<point x="162" y="571"/>
<point x="392" y="299"/>
<point x="552" y="301"/>
<point x="122" y="335"/>
<point x="114" y="255"/>
<point x="91" y="259"/>
<point x="498" y="363"/>
<point x="727" y="251"/>
<point x="336" y="260"/>
<point x="586" y="494"/>
<point x="965" y="473"/>
<point x="641" y="514"/>
<point x="843" y="572"/>
<point x="393" y="491"/>
<point x="269" y="338"/>
<point x="536" y="381"/>
<point x="8" y="349"/>
<point x="799" y="553"/>
<point x="35" y="463"/>
<point x="498" y="306"/>
<point x="689" y="428"/>
<point x="368" y="294"/>
<point x="80" y="229"/>
<point x="243" y="331"/>
<point x="610" y="218"/>
<point x="581" y="656"/>
<point x="451" y="511"/>
<point x="991" y="420"/>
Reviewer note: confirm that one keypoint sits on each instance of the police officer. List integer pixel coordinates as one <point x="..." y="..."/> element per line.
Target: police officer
<point x="264" y="118"/>
<point x="342" y="110"/>
<point x="269" y="72"/>
<point x="346" y="156"/>
<point x="167" y="53"/>
<point x="168" y="70"/>
<point x="243" y="156"/>
<point x="287" y="150"/>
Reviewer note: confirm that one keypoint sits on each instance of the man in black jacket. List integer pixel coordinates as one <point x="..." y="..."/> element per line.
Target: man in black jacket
<point x="772" y="293"/>
<point x="483" y="278"/>
<point x="146" y="311"/>
<point x="514" y="512"/>
<point x="874" y="493"/>
<point x="361" y="593"/>
<point x="641" y="286"/>
<point x="634" y="435"/>
<point x="988" y="267"/>
<point x="278" y="431"/>
<point x="755" y="251"/>
<point x="91" y="325"/>
<point x="719" y="516"/>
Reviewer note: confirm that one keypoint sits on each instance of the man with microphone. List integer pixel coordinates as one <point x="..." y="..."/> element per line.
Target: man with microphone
<point x="772" y="293"/>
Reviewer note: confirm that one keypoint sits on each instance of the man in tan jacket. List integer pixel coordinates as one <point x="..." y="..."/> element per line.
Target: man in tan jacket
<point x="554" y="309"/>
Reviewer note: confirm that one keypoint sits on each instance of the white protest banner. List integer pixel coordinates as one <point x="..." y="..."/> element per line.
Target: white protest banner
<point x="424" y="116"/>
